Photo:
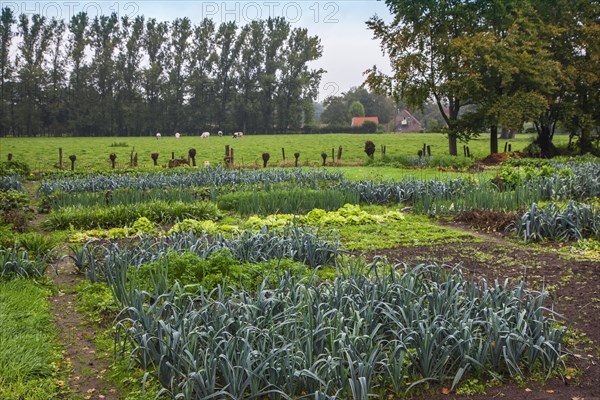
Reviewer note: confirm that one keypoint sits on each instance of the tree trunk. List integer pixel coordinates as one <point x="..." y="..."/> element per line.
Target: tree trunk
<point x="544" y="140"/>
<point x="452" y="144"/>
<point x="494" y="139"/>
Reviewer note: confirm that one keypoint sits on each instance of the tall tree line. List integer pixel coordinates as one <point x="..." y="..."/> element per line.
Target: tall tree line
<point x="496" y="63"/>
<point x="108" y="76"/>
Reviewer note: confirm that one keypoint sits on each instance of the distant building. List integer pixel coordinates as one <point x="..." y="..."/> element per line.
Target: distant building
<point x="404" y="122"/>
<point x="359" y="121"/>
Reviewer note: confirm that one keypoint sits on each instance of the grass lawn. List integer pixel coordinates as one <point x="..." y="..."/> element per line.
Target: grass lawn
<point x="42" y="153"/>
<point x="29" y="350"/>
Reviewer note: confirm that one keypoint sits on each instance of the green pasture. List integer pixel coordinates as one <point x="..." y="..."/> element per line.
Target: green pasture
<point x="93" y="153"/>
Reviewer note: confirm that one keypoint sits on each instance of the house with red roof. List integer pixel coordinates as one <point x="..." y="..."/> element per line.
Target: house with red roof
<point x="359" y="121"/>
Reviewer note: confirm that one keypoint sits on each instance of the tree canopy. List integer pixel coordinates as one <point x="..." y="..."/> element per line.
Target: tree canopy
<point x="509" y="61"/>
<point x="339" y="110"/>
<point x="135" y="76"/>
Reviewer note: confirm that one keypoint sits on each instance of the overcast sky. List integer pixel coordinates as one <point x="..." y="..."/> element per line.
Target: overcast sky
<point x="348" y="47"/>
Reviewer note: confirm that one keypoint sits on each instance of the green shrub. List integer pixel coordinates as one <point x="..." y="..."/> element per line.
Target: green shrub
<point x="13" y="200"/>
<point x="14" y="168"/>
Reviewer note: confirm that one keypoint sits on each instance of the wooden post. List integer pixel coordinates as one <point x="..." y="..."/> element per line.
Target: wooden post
<point x="428" y="151"/>
<point x="172" y="155"/>
<point x="9" y="156"/>
<point x="339" y="156"/>
<point x="283" y="153"/>
<point x="60" y="159"/>
<point x="131" y="156"/>
<point x="464" y="150"/>
<point x="332" y="154"/>
<point x="135" y="160"/>
<point x="227" y="150"/>
<point x="231" y="156"/>
<point x="509" y="148"/>
<point x="468" y="152"/>
<point x="505" y="146"/>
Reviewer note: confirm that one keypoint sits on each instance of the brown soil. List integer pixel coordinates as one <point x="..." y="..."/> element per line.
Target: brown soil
<point x="89" y="367"/>
<point x="572" y="282"/>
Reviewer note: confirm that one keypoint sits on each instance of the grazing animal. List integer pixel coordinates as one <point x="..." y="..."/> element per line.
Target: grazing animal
<point x="157" y="135"/>
<point x="178" y="162"/>
<point x="220" y="133"/>
<point x="177" y="135"/>
<point x="238" y="134"/>
<point x="205" y="135"/>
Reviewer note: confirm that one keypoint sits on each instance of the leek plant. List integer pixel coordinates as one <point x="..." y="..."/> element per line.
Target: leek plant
<point x="575" y="221"/>
<point x="126" y="215"/>
<point x="374" y="329"/>
<point x="12" y="182"/>
<point x="294" y="201"/>
<point x="16" y="263"/>
<point x="208" y="177"/>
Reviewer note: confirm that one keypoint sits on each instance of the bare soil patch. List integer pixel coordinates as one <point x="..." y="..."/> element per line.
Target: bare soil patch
<point x="89" y="367"/>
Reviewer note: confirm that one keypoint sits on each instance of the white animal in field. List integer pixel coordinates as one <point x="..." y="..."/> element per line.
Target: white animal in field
<point x="177" y="135"/>
<point x="157" y="135"/>
<point x="238" y="134"/>
<point x="220" y="133"/>
<point x="205" y="135"/>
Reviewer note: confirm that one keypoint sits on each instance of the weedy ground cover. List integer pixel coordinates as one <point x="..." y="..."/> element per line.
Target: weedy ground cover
<point x="29" y="350"/>
<point x="93" y="153"/>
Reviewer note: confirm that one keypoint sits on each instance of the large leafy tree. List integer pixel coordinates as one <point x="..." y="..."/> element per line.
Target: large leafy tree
<point x="203" y="58"/>
<point x="248" y="70"/>
<point x="79" y="102"/>
<point x="299" y="84"/>
<point x="508" y="65"/>
<point x="105" y="40"/>
<point x="55" y="111"/>
<point x="178" y="63"/>
<point x="7" y="21"/>
<point x="575" y="102"/>
<point x="425" y="65"/>
<point x="336" y="111"/>
<point x="36" y="35"/>
<point x="128" y="72"/>
<point x="277" y="31"/>
<point x="156" y="45"/>
<point x="122" y="76"/>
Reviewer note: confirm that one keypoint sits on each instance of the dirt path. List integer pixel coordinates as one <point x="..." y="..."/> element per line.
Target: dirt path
<point x="572" y="281"/>
<point x="89" y="367"/>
